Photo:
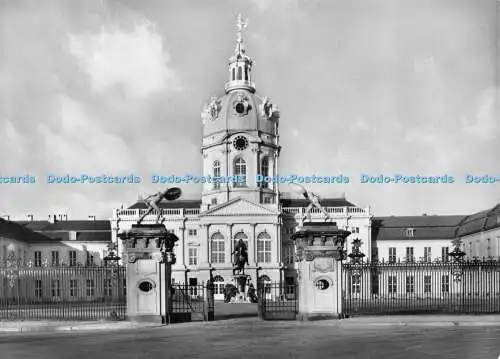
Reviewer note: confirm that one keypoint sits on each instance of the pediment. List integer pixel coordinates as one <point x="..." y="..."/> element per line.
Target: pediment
<point x="239" y="207"/>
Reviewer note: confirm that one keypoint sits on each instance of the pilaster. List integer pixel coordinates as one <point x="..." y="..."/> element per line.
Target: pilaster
<point x="252" y="247"/>
<point x="204" y="245"/>
<point x="231" y="243"/>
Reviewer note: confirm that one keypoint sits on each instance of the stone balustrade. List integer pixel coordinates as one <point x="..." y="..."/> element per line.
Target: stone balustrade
<point x="334" y="211"/>
<point x="134" y="214"/>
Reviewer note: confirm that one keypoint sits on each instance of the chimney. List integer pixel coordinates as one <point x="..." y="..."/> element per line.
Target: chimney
<point x="91" y="218"/>
<point x="7" y="217"/>
<point x="30" y="217"/>
<point x="52" y="218"/>
<point x="65" y="216"/>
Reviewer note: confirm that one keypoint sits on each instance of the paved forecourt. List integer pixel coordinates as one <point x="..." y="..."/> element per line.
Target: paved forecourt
<point x="250" y="338"/>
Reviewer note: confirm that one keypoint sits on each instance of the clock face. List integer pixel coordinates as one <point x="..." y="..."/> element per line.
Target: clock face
<point x="240" y="143"/>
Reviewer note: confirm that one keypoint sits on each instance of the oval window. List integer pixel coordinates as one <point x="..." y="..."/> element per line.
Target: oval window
<point x="240" y="108"/>
<point x="322" y="284"/>
<point x="146" y="286"/>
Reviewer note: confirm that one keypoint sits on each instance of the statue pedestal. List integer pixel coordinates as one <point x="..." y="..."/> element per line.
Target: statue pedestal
<point x="148" y="257"/>
<point x="241" y="284"/>
<point x="319" y="248"/>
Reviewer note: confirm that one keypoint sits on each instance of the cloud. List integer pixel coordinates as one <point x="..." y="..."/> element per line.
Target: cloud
<point x="133" y="59"/>
<point x="424" y="63"/>
<point x="13" y="142"/>
<point x="485" y="124"/>
<point x="274" y="5"/>
<point x="80" y="142"/>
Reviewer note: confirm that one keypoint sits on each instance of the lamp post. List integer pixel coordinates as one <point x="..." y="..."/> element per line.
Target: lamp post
<point x="457" y="256"/>
<point x="168" y="258"/>
<point x="111" y="260"/>
<point x="356" y="254"/>
<point x="13" y="276"/>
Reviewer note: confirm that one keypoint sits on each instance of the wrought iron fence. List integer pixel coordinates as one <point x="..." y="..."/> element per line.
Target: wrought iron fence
<point x="277" y="301"/>
<point x="468" y="287"/>
<point x="63" y="292"/>
<point x="192" y="302"/>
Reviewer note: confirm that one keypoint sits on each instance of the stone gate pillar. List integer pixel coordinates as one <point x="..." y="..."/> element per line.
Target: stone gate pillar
<point x="319" y="248"/>
<point x="147" y="252"/>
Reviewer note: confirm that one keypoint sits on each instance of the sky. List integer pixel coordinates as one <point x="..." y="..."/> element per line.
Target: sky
<point x="363" y="86"/>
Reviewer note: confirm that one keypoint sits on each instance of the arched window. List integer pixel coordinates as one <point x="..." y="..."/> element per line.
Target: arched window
<point x="264" y="170"/>
<point x="218" y="287"/>
<point x="240" y="169"/>
<point x="216" y="174"/>
<point x="218" y="248"/>
<point x="264" y="248"/>
<point x="218" y="278"/>
<point x="240" y="75"/>
<point x="238" y="236"/>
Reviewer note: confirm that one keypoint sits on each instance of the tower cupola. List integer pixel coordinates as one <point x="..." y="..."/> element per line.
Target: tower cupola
<point x="240" y="64"/>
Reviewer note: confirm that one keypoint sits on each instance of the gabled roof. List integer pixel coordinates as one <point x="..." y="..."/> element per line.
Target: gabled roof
<point x="78" y="225"/>
<point x="182" y="203"/>
<point x="94" y="237"/>
<point x="239" y="206"/>
<point x="325" y="202"/>
<point x="420" y="221"/>
<point x="484" y="220"/>
<point x="20" y="233"/>
<point x="424" y="227"/>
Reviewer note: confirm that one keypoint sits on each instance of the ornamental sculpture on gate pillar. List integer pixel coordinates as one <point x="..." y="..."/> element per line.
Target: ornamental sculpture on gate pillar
<point x="153" y="201"/>
<point x="314" y="200"/>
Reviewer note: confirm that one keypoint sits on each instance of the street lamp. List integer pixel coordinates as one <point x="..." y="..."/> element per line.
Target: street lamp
<point x="111" y="257"/>
<point x="457" y="255"/>
<point x="356" y="255"/>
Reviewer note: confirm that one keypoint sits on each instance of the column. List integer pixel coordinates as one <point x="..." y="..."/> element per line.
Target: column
<point x="208" y="243"/>
<point x="278" y="243"/>
<point x="204" y="250"/>
<point x="275" y="169"/>
<point x="231" y="244"/>
<point x="181" y="255"/>
<point x="257" y="171"/>
<point x="252" y="247"/>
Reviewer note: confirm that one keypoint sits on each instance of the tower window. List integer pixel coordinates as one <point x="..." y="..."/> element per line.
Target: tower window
<point x="234" y="74"/>
<point x="246" y="74"/>
<point x="240" y="170"/>
<point x="265" y="171"/>
<point x="216" y="173"/>
<point x="240" y="75"/>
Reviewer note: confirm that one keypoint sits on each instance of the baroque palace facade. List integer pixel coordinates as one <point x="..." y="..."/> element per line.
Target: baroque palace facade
<point x="241" y="138"/>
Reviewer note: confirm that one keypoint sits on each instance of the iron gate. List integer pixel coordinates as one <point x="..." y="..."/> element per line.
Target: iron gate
<point x="192" y="302"/>
<point x="277" y="301"/>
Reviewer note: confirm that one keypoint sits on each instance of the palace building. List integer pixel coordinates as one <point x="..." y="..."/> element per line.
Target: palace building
<point x="241" y="139"/>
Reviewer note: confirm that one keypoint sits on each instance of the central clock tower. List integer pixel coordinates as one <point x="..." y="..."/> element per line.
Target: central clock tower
<point x="240" y="138"/>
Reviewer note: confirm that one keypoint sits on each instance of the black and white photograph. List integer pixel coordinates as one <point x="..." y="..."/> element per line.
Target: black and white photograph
<point x="259" y="178"/>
